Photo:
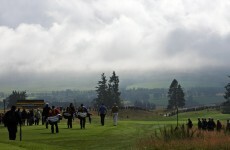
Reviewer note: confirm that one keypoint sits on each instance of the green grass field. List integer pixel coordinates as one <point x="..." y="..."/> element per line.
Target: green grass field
<point x="132" y="127"/>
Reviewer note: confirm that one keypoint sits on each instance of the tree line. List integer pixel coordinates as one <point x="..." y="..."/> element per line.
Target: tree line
<point x="108" y="92"/>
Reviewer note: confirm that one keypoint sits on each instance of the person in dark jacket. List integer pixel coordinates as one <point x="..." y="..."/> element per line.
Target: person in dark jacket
<point x="11" y="120"/>
<point x="24" y="116"/>
<point x="211" y="124"/>
<point x="199" y="124"/>
<point x="45" y="114"/>
<point x="218" y="125"/>
<point x="204" y="124"/>
<point x="72" y="109"/>
<point x="72" y="112"/>
<point x="31" y="117"/>
<point x="189" y="124"/>
<point x="69" y="117"/>
<point x="102" y="112"/>
<point x="82" y="113"/>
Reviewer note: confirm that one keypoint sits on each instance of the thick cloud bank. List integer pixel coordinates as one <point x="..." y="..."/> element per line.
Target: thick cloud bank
<point x="83" y="36"/>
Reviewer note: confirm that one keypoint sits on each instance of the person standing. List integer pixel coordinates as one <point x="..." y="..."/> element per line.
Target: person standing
<point x="218" y="125"/>
<point x="82" y="113"/>
<point x="54" y="113"/>
<point x="37" y="116"/>
<point x="209" y="124"/>
<point x="31" y="117"/>
<point x="19" y="113"/>
<point x="102" y="112"/>
<point x="69" y="117"/>
<point x="213" y="124"/>
<point x="11" y="120"/>
<point x="204" y="124"/>
<point x="199" y="124"/>
<point x="27" y="118"/>
<point x="24" y="116"/>
<point x="115" y="114"/>
<point x="72" y="111"/>
<point x="45" y="114"/>
<point x="189" y="124"/>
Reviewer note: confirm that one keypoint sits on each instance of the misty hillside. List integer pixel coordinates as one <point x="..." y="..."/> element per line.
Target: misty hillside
<point x="128" y="79"/>
<point x="142" y="89"/>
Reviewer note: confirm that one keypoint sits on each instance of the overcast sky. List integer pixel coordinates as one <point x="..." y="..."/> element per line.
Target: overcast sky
<point x="49" y="36"/>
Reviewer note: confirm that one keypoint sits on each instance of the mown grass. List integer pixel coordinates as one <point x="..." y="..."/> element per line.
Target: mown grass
<point x="133" y="127"/>
<point x="95" y="136"/>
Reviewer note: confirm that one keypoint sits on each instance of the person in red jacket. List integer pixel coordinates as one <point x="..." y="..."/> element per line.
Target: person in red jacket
<point x="54" y="113"/>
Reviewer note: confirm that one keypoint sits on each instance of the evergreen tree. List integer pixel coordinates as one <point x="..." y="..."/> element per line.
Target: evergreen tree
<point x="227" y="93"/>
<point x="175" y="95"/>
<point x="180" y="96"/>
<point x="12" y="99"/>
<point x="226" y="104"/>
<point x="114" y="93"/>
<point x="108" y="93"/>
<point x="172" y="94"/>
<point x="102" y="91"/>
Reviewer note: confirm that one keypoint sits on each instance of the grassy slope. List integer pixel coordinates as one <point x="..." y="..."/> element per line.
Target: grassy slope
<point x="202" y="100"/>
<point x="124" y="136"/>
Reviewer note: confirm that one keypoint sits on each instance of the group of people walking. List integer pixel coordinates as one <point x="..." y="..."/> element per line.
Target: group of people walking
<point x="81" y="113"/>
<point x="52" y="115"/>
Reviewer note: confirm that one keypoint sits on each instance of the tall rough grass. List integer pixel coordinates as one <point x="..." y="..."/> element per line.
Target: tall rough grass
<point x="170" y="138"/>
<point x="175" y="133"/>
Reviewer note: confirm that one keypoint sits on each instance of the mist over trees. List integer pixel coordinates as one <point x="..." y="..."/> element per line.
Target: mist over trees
<point x="63" y="98"/>
<point x="137" y="97"/>
<point x="141" y="97"/>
